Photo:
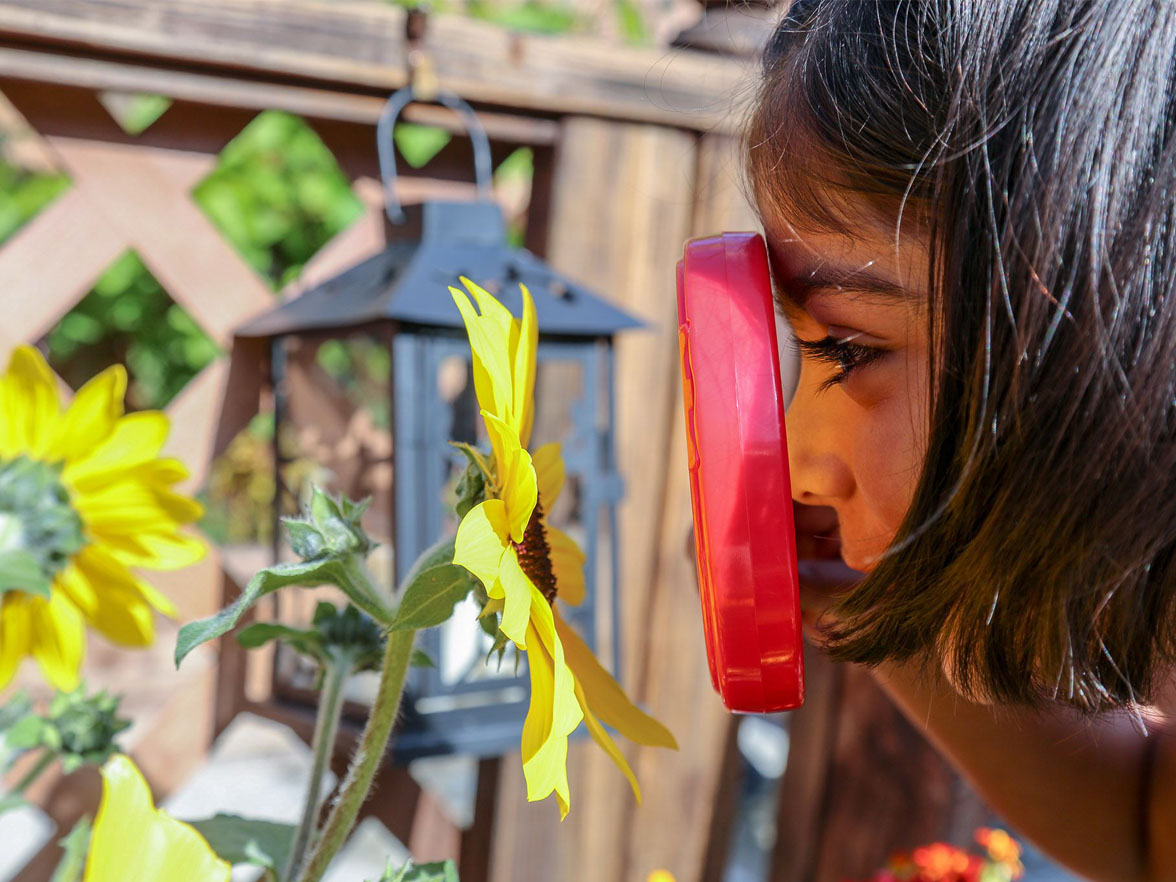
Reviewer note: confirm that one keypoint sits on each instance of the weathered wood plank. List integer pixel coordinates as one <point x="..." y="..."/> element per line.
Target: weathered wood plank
<point x="51" y="263"/>
<point x="361" y="45"/>
<point x="184" y="251"/>
<point x="225" y="91"/>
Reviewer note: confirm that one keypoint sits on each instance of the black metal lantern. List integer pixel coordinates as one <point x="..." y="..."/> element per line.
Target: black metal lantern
<point x="383" y="430"/>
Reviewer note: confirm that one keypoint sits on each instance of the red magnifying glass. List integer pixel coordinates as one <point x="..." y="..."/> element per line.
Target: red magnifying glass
<point x="744" y="533"/>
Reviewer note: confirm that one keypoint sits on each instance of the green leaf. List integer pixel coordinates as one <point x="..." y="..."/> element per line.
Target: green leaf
<point x="20" y="571"/>
<point x="430" y="598"/>
<point x="259" y="633"/>
<point x="16" y="708"/>
<point x="345" y="571"/>
<point x="11" y="801"/>
<point x="75" y="845"/>
<point x="306" y="573"/>
<point x="421" y="659"/>
<point x="246" y="840"/>
<point x="26" y="733"/>
<point x="433" y="556"/>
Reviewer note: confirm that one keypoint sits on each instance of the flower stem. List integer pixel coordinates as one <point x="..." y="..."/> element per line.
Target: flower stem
<point x="34" y="773"/>
<point x="326" y="727"/>
<point x="368" y="756"/>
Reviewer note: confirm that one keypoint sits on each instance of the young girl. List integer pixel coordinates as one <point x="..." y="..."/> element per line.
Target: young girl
<point x="969" y="207"/>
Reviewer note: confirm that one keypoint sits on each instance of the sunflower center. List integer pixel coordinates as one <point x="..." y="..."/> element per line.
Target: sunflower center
<point x="38" y="525"/>
<point x="535" y="555"/>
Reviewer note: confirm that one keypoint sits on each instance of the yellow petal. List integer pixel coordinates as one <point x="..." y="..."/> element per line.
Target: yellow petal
<point x="516" y="588"/>
<point x="549" y="473"/>
<point x="152" y="550"/>
<point x="490" y="359"/>
<point x="566" y="713"/>
<point x="57" y="638"/>
<point x="601" y="737"/>
<point x="482" y="538"/>
<point x="91" y="415"/>
<point x="497" y="318"/>
<point x="15" y="629"/>
<point x="524" y="368"/>
<point x="32" y="408"/>
<point x="136" y="438"/>
<point x="109" y="597"/>
<point x="134" y="840"/>
<point x="608" y="700"/>
<point x="544" y="752"/>
<point x="129" y="506"/>
<point x="516" y="475"/>
<point x="567" y="562"/>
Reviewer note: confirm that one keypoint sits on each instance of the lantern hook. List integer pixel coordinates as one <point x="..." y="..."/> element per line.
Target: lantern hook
<point x="387" y="148"/>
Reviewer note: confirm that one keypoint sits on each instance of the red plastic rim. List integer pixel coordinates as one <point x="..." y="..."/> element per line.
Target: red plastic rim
<point x="744" y="533"/>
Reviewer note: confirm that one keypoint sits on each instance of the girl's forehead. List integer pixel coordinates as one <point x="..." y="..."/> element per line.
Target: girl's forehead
<point x="869" y="253"/>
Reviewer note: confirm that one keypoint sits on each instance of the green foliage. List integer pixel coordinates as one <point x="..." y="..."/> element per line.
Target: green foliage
<point x="530" y="16"/>
<point x="74" y="847"/>
<point x="23" y="193"/>
<point x="128" y="318"/>
<point x="246" y="840"/>
<point x="429" y="599"/>
<point x="335" y="556"/>
<point x="418" y="144"/>
<point x="80" y="729"/>
<point x="441" y="871"/>
<point x="278" y="195"/>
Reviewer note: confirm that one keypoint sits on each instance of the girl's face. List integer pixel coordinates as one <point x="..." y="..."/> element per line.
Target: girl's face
<point x="857" y="423"/>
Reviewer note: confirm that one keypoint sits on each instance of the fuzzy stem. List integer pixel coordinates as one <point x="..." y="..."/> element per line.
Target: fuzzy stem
<point x="326" y="727"/>
<point x="368" y="756"/>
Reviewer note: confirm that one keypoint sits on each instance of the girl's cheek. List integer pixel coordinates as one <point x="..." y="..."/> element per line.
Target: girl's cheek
<point x="893" y="438"/>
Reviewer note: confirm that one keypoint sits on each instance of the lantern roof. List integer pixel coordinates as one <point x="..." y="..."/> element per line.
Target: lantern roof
<point x="409" y="280"/>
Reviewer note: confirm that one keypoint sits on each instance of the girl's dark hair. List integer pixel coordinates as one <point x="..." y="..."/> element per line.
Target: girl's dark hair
<point x="1031" y="141"/>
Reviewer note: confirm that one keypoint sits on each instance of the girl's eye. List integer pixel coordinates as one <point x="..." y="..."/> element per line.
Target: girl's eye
<point x="844" y="354"/>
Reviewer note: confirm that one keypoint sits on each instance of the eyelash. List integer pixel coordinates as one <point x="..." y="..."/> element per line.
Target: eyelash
<point x="845" y="355"/>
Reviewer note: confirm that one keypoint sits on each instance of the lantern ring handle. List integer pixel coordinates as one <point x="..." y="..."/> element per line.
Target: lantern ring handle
<point x="387" y="151"/>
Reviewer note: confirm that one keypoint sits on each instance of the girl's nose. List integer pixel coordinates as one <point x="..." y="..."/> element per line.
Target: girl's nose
<point x="817" y="434"/>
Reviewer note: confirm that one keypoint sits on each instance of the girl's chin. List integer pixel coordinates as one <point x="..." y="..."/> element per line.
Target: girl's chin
<point x="859" y="557"/>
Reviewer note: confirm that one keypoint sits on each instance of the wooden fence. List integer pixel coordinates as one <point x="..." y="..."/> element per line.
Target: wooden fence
<point x="635" y="151"/>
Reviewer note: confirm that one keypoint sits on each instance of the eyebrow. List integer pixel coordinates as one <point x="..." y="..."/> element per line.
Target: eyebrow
<point x="794" y="291"/>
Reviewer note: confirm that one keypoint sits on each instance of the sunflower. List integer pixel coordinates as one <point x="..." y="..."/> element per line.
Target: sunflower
<point x="132" y="839"/>
<point x="526" y="564"/>
<point x="84" y="496"/>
